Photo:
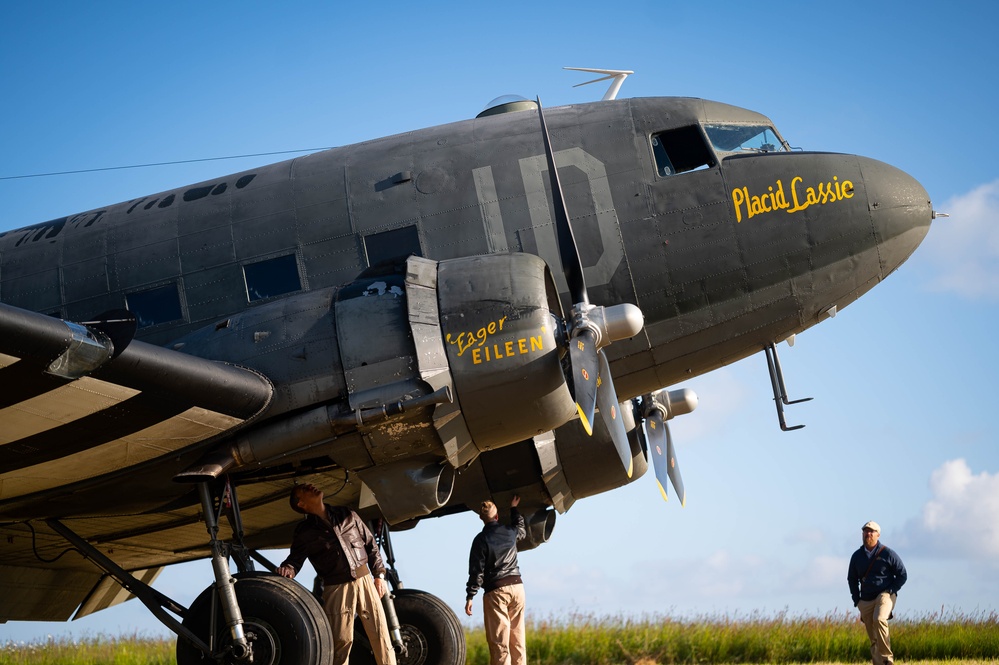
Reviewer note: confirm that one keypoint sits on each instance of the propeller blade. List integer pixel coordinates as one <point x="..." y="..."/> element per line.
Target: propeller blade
<point x="610" y="412"/>
<point x="585" y="375"/>
<point x="673" y="469"/>
<point x="656" y="432"/>
<point x="568" y="253"/>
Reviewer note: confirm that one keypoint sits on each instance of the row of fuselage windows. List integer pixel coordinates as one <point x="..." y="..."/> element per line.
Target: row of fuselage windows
<point x="269" y="278"/>
<point x="676" y="151"/>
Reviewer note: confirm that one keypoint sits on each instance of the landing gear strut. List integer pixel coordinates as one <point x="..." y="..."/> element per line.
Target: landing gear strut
<point x="265" y="619"/>
<point x="224" y="582"/>
<point x="253" y="617"/>
<point x="425" y="630"/>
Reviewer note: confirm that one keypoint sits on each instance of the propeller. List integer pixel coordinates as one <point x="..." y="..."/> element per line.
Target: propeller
<point x="655" y="409"/>
<point x="590" y="327"/>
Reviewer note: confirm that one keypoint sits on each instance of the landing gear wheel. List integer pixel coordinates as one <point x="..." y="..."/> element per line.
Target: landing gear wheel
<point x="283" y="623"/>
<point x="430" y="630"/>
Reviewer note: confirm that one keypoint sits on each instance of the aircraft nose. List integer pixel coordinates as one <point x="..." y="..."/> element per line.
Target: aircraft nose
<point x="900" y="209"/>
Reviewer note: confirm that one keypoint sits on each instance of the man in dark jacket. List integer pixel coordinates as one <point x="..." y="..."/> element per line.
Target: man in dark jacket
<point x="492" y="565"/>
<point x="875" y="576"/>
<point x="344" y="554"/>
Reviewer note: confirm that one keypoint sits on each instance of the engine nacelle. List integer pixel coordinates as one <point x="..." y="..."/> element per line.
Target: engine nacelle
<point x="432" y="363"/>
<point x="485" y="326"/>
<point x="484" y="329"/>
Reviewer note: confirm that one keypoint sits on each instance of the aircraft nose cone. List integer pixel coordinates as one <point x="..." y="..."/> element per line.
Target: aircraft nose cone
<point x="900" y="209"/>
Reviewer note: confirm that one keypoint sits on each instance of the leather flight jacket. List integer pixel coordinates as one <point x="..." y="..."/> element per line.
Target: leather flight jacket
<point x="340" y="549"/>
<point x="492" y="562"/>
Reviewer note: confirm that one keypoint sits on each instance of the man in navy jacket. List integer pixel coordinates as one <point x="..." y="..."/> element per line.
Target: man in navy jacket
<point x="875" y="576"/>
<point x="492" y="565"/>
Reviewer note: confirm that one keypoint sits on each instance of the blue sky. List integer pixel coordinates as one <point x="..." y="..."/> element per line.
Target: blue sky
<point x="901" y="429"/>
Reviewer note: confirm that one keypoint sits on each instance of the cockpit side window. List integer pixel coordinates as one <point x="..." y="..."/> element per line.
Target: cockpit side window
<point x="681" y="150"/>
<point x="744" y="138"/>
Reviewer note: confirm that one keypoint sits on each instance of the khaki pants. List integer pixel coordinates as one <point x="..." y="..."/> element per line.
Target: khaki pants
<point x="874" y="614"/>
<point x="503" y="614"/>
<point x="342" y="602"/>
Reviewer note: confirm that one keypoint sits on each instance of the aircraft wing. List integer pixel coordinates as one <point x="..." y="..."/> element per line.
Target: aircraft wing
<point x="72" y="418"/>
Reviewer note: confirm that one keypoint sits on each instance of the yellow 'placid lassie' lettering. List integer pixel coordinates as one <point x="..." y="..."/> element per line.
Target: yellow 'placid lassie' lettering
<point x="748" y="205"/>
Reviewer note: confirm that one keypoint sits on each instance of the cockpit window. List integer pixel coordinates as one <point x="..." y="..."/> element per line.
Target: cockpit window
<point x="681" y="150"/>
<point x="744" y="138"/>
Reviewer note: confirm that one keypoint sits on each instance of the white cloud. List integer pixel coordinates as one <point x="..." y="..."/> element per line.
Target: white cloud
<point x="823" y="573"/>
<point x="810" y="536"/>
<point x="721" y="395"/>
<point x="962" y="518"/>
<point x="965" y="247"/>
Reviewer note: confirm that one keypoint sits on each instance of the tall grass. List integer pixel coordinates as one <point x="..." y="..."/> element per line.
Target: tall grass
<point x="593" y="640"/>
<point x="781" y="638"/>
<point x="97" y="650"/>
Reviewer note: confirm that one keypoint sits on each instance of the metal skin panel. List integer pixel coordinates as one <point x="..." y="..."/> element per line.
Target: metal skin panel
<point x="380" y="185"/>
<point x="108" y="592"/>
<point x="376" y="346"/>
<point x="205" y="248"/>
<point x="37" y="594"/>
<point x="379" y="361"/>
<point x="431" y="357"/>
<point x="293" y="340"/>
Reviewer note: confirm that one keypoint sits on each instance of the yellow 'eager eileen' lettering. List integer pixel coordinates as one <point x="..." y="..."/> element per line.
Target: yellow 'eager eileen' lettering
<point x="466" y="340"/>
<point x="508" y="349"/>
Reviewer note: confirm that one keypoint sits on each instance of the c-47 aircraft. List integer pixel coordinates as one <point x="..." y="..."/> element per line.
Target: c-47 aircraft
<point x="414" y="324"/>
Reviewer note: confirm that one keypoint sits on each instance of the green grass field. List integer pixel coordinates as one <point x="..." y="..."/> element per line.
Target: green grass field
<point x="586" y="640"/>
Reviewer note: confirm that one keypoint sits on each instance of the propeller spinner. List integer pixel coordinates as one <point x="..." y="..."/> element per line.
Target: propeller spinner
<point x="590" y="327"/>
<point x="655" y="409"/>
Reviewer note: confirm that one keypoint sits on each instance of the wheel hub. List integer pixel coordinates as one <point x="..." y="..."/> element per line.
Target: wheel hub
<point x="266" y="649"/>
<point x="417" y="647"/>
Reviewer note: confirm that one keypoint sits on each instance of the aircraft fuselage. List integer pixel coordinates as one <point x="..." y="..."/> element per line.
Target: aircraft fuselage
<point x="695" y="211"/>
<point x="721" y="260"/>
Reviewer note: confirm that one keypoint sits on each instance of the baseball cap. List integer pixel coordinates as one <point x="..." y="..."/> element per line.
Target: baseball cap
<point x="873" y="526"/>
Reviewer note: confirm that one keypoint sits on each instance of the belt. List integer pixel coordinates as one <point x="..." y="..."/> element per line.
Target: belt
<point x="359" y="572"/>
<point x="509" y="580"/>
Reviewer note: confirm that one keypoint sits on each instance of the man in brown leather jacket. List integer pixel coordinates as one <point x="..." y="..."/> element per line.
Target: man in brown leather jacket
<point x="492" y="565"/>
<point x="344" y="554"/>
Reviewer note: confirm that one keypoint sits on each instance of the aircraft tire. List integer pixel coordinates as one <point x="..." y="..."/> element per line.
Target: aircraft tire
<point x="430" y="630"/>
<point x="432" y="633"/>
<point x="285" y="623"/>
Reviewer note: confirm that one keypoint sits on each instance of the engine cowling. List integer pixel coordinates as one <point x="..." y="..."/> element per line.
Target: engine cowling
<point x="485" y="326"/>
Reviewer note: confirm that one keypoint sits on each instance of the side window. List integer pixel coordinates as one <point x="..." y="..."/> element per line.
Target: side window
<point x="273" y="277"/>
<point x="397" y="243"/>
<point x="155" y="306"/>
<point x="681" y="150"/>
